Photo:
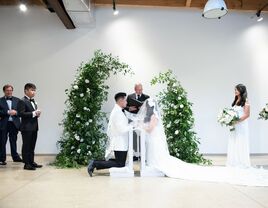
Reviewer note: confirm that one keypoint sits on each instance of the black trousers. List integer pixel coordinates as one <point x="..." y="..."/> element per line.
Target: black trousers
<point x="119" y="161"/>
<point x="10" y="132"/>
<point x="28" y="146"/>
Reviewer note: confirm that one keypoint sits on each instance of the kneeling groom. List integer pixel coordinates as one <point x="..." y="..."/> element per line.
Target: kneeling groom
<point x="117" y="132"/>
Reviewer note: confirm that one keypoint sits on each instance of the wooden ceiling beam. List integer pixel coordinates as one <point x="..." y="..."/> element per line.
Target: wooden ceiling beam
<point x="188" y="3"/>
<point x="59" y="8"/>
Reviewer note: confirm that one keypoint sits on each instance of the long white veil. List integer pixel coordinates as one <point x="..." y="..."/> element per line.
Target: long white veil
<point x="151" y="108"/>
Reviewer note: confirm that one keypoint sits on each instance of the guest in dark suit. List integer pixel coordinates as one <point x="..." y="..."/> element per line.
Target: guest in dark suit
<point x="29" y="113"/>
<point x="9" y="124"/>
<point x="138" y="95"/>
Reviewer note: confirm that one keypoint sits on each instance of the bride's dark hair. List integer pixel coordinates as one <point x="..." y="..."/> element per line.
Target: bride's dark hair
<point x="243" y="94"/>
<point x="149" y="112"/>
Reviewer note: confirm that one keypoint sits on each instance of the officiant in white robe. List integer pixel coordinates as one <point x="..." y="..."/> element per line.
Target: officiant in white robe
<point x="118" y="128"/>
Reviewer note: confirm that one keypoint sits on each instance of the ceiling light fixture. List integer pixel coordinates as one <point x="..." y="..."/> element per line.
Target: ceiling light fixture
<point x="258" y="14"/>
<point x="116" y="12"/>
<point x="215" y="9"/>
<point x="23" y="6"/>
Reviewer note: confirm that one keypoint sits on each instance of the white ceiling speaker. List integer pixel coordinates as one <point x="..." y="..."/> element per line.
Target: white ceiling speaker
<point x="215" y="9"/>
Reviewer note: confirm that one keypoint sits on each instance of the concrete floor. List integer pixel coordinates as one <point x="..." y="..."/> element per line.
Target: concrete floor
<point x="72" y="188"/>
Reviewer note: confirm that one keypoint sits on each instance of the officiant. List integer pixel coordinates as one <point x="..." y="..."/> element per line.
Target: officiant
<point x="133" y="107"/>
<point x="137" y="95"/>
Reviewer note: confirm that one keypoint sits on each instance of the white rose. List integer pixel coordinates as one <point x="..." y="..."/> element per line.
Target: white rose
<point x="78" y="151"/>
<point x="76" y="87"/>
<point x="77" y="137"/>
<point x="87" y="81"/>
<point x="82" y="95"/>
<point x="177" y="132"/>
<point x="181" y="105"/>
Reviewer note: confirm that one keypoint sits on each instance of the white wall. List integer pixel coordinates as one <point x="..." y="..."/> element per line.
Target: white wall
<point x="208" y="56"/>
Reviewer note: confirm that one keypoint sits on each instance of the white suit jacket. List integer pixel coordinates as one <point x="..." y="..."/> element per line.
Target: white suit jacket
<point x="117" y="131"/>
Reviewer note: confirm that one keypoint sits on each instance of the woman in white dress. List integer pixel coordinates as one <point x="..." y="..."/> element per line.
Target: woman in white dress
<point x="158" y="156"/>
<point x="238" y="146"/>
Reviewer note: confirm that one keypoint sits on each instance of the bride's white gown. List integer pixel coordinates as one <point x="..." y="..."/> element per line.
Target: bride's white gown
<point x="238" y="145"/>
<point x="158" y="157"/>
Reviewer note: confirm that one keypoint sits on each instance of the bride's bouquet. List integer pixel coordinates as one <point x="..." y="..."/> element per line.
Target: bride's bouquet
<point x="264" y="113"/>
<point x="227" y="117"/>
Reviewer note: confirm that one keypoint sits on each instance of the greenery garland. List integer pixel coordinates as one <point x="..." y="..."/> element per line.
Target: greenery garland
<point x="83" y="135"/>
<point x="178" y="120"/>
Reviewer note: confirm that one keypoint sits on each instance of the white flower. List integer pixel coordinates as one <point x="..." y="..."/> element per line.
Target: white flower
<point x="75" y="87"/>
<point x="169" y="125"/>
<point x="78" y="151"/>
<point x="88" y="90"/>
<point x="177" y="132"/>
<point x="181" y="105"/>
<point x="90" y="120"/>
<point x="87" y="123"/>
<point x="86" y="81"/>
<point x="82" y="95"/>
<point x="72" y="147"/>
<point x="77" y="137"/>
<point x="77" y="116"/>
<point x="179" y="98"/>
<point x="81" y="140"/>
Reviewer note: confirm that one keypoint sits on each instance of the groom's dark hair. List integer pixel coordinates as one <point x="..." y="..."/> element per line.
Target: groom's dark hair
<point x="120" y="95"/>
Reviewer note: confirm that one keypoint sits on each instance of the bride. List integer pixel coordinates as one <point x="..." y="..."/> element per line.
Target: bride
<point x="158" y="156"/>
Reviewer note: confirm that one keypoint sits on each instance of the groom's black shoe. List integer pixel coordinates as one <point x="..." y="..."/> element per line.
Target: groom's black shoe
<point x="90" y="168"/>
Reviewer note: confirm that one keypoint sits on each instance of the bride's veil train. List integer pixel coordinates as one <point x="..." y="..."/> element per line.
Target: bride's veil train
<point x="149" y="117"/>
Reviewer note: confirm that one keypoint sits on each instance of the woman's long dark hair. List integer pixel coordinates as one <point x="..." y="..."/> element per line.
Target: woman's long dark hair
<point x="243" y="94"/>
<point x="149" y="113"/>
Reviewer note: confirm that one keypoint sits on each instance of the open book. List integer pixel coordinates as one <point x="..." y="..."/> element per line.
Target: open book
<point x="135" y="102"/>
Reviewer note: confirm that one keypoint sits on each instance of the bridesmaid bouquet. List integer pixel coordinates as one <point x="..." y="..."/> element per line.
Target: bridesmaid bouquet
<point x="228" y="117"/>
<point x="264" y="113"/>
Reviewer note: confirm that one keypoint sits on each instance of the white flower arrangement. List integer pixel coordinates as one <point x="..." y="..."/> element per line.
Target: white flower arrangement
<point x="264" y="113"/>
<point x="228" y="117"/>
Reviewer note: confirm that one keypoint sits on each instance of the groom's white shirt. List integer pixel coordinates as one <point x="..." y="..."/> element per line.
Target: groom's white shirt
<point x="117" y="131"/>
